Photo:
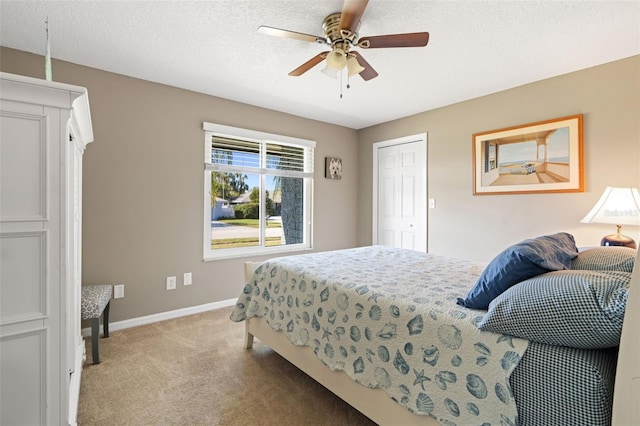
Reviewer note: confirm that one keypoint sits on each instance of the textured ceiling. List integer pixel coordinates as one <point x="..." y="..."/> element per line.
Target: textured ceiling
<point x="475" y="48"/>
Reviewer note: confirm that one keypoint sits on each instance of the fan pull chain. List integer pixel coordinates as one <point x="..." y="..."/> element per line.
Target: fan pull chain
<point x="348" y="83"/>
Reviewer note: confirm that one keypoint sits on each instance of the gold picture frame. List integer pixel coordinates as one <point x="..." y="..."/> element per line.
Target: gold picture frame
<point x="545" y="156"/>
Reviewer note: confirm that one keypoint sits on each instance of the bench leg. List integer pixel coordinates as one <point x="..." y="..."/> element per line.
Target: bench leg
<point x="95" y="334"/>
<point x="105" y="320"/>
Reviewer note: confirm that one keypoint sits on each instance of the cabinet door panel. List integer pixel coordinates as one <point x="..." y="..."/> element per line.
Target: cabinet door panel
<point x="23" y="276"/>
<point x="22" y="362"/>
<point x="23" y="171"/>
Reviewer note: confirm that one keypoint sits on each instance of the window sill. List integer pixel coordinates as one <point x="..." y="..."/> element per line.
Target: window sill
<point x="256" y="253"/>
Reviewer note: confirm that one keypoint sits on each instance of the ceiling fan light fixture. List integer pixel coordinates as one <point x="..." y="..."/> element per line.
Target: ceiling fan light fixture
<point x="353" y="66"/>
<point x="341" y="33"/>
<point x="336" y="59"/>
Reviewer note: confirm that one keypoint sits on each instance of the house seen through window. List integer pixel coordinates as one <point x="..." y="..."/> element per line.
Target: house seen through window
<point x="257" y="192"/>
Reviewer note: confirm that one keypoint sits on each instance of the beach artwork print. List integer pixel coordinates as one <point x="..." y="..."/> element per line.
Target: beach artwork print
<point x="538" y="157"/>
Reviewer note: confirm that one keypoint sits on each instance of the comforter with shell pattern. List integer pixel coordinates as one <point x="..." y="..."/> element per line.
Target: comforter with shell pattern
<point x="388" y="318"/>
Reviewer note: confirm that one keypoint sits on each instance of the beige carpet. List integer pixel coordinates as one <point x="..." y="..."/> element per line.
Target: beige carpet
<point x="194" y="371"/>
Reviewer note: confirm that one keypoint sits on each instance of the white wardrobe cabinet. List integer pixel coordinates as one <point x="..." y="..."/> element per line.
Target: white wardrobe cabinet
<point x="44" y="129"/>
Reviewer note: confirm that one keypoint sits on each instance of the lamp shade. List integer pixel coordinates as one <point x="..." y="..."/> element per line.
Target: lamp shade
<point x="617" y="206"/>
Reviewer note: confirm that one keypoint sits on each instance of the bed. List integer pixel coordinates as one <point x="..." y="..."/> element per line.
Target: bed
<point x="388" y="331"/>
<point x="519" y="169"/>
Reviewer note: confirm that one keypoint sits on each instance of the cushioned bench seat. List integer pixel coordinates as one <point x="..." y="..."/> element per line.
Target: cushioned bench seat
<point x="95" y="301"/>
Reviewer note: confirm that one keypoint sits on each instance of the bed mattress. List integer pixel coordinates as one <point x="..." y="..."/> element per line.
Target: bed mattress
<point x="558" y="385"/>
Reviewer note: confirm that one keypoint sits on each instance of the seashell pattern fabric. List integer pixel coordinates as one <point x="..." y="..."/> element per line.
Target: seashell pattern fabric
<point x="388" y="318"/>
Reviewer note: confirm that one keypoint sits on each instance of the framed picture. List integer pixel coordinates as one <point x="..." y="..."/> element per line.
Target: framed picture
<point x="333" y="168"/>
<point x="538" y="157"/>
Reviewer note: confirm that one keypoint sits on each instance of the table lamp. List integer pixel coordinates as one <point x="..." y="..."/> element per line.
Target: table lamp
<point x="617" y="206"/>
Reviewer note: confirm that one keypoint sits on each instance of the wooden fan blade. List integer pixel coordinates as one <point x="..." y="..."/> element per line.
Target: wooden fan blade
<point x="309" y="64"/>
<point x="368" y="72"/>
<point x="352" y="11"/>
<point x="277" y="32"/>
<point x="395" y="40"/>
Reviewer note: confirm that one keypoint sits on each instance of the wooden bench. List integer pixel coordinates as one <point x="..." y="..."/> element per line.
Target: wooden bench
<point x="95" y="301"/>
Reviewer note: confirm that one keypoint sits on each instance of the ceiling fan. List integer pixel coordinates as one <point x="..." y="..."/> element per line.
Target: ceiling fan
<point x="340" y="33"/>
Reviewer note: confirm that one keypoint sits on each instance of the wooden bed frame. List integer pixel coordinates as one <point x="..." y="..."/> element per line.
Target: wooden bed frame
<point x="379" y="407"/>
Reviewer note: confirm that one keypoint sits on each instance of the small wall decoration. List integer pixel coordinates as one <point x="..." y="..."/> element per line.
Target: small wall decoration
<point x="538" y="157"/>
<point x="333" y="168"/>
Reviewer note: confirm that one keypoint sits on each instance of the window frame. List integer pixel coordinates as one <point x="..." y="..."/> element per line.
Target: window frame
<point x="262" y="138"/>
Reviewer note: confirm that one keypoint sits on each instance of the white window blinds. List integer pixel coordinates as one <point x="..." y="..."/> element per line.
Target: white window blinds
<point x="290" y="157"/>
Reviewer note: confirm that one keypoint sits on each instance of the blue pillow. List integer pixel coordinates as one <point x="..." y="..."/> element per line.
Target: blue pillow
<point x="520" y="262"/>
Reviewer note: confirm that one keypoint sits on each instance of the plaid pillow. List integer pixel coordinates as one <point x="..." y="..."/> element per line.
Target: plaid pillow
<point x="611" y="258"/>
<point x="575" y="308"/>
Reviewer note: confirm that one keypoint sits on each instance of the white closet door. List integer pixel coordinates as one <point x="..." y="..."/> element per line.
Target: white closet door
<point x="401" y="195"/>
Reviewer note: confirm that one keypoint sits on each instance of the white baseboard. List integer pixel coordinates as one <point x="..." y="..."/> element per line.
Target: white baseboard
<point x="163" y="316"/>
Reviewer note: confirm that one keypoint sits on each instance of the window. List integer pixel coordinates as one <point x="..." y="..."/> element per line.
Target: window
<point x="490" y="152"/>
<point x="257" y="192"/>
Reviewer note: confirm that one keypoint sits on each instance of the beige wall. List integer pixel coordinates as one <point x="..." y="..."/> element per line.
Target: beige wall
<point x="478" y="227"/>
<point x="143" y="185"/>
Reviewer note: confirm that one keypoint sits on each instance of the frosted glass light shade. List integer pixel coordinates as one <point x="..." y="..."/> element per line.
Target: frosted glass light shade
<point x="331" y="72"/>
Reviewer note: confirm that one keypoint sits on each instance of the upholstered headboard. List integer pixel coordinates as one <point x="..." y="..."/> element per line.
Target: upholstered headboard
<point x="626" y="410"/>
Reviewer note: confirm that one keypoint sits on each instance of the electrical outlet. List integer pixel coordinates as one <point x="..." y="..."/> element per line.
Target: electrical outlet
<point x="187" y="279"/>
<point x="118" y="291"/>
<point x="171" y="283"/>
